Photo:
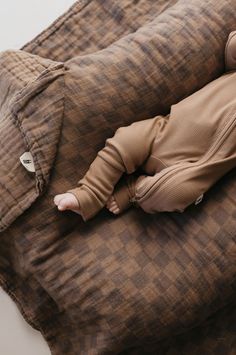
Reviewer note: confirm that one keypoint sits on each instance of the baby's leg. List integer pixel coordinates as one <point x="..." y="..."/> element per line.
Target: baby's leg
<point x="120" y="200"/>
<point x="123" y="195"/>
<point x="123" y="153"/>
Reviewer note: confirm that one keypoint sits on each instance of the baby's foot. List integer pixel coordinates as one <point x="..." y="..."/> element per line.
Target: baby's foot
<point x="112" y="205"/>
<point x="67" y="201"/>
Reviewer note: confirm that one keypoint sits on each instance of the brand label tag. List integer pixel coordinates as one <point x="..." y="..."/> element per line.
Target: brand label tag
<point x="27" y="161"/>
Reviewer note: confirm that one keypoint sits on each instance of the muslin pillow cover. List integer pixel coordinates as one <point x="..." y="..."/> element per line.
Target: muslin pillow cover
<point x="117" y="284"/>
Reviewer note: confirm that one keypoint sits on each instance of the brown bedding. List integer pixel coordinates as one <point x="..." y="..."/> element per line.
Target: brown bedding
<point x="135" y="283"/>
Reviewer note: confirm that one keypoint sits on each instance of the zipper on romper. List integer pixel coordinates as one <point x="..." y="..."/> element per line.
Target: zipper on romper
<point x="220" y="139"/>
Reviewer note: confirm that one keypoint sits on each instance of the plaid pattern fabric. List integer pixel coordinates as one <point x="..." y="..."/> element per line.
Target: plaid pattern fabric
<point x="134" y="283"/>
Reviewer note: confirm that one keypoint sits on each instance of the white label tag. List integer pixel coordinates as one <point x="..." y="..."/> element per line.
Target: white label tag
<point x="27" y="161"/>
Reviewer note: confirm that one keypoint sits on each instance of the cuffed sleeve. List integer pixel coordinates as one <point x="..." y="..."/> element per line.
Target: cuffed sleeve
<point x="95" y="187"/>
<point x="89" y="203"/>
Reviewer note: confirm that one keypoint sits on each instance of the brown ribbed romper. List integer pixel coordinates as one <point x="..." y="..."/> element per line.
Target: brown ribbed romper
<point x="166" y="163"/>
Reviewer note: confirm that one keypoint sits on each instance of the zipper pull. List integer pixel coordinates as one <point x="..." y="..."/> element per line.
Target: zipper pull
<point x="199" y="199"/>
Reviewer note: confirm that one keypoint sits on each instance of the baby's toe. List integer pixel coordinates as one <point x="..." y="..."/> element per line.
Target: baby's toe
<point x="115" y="209"/>
<point x="110" y="201"/>
<point x="112" y="205"/>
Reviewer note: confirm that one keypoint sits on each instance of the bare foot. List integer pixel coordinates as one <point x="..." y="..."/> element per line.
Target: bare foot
<point x="112" y="205"/>
<point x="67" y="201"/>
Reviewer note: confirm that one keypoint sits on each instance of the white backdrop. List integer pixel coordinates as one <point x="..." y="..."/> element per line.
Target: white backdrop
<point x="21" y="21"/>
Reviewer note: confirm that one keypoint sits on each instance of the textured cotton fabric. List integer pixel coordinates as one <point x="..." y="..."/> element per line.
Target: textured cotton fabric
<point x="130" y="284"/>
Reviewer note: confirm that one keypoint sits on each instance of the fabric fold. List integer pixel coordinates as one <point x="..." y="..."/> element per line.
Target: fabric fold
<point x="26" y="117"/>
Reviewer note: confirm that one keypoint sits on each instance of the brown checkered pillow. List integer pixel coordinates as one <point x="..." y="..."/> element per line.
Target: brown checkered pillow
<point x="114" y="284"/>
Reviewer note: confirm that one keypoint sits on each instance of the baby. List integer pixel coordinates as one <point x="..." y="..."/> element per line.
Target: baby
<point x="132" y="157"/>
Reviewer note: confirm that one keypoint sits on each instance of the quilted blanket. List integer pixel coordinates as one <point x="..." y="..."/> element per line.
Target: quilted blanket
<point x="135" y="283"/>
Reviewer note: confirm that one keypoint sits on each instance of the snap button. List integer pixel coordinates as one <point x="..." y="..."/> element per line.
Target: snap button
<point x="199" y="199"/>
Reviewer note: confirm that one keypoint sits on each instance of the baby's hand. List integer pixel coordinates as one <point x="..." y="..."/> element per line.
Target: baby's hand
<point x="67" y="201"/>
